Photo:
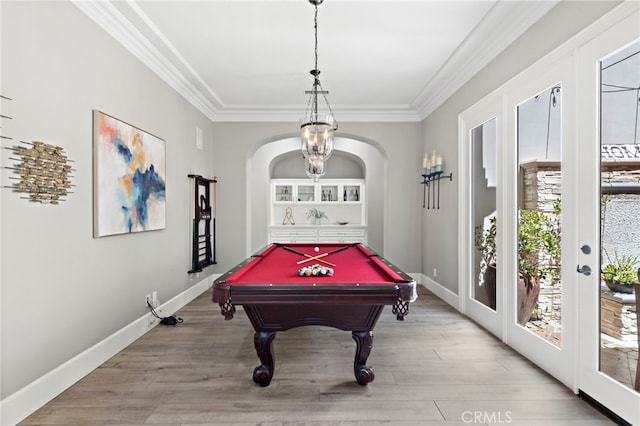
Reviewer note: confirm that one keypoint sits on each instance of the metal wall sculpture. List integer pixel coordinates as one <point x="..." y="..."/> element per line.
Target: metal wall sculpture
<point x="41" y="170"/>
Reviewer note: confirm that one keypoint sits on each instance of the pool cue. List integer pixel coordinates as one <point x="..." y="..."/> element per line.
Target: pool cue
<point x="324" y="254"/>
<point x="319" y="260"/>
<point x="340" y="249"/>
<point x="307" y="255"/>
<point x="313" y="258"/>
<point x="292" y="250"/>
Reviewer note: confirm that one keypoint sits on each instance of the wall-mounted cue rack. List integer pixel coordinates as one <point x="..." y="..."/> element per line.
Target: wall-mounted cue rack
<point x="203" y="250"/>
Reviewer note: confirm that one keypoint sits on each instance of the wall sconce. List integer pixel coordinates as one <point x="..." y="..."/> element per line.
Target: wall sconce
<point x="432" y="172"/>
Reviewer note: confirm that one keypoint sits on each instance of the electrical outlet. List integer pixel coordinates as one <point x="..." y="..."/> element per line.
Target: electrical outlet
<point x="147" y="300"/>
<point x="154" y="299"/>
<point x="435" y="272"/>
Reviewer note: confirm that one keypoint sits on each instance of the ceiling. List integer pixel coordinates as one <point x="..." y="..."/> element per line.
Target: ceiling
<point x="249" y="60"/>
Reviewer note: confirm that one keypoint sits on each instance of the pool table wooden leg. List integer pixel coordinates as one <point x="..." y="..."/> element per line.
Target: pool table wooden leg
<point x="262" y="374"/>
<point x="364" y="344"/>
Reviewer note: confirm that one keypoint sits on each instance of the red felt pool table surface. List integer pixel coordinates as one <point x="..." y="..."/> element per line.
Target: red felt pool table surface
<point x="276" y="264"/>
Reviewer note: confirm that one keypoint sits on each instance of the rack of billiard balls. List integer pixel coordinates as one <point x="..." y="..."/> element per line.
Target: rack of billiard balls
<point x="315" y="271"/>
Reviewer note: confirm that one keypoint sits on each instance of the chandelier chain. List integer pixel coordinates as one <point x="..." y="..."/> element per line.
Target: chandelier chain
<point x="315" y="28"/>
<point x="316" y="82"/>
<point x="317" y="86"/>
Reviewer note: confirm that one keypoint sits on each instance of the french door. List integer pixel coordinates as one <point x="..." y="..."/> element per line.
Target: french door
<point x="549" y="195"/>
<point x="539" y="154"/>
<point x="480" y="140"/>
<point x="609" y="203"/>
<point x="516" y="171"/>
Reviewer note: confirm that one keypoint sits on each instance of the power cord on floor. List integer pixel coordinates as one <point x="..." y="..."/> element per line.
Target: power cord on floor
<point x="172" y="320"/>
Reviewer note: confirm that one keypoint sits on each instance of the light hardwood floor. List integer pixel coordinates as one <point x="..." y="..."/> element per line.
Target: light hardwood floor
<point x="435" y="368"/>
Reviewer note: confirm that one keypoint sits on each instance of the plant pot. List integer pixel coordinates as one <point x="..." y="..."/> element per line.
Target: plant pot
<point x="618" y="287"/>
<point x="528" y="292"/>
<point x="489" y="284"/>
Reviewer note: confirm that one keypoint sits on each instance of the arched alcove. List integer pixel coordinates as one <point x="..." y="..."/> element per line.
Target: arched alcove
<point x="282" y="158"/>
<point x="341" y="165"/>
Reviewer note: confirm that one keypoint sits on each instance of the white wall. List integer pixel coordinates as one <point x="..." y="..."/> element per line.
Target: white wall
<point x="62" y="290"/>
<point x="440" y="129"/>
<point x="240" y="175"/>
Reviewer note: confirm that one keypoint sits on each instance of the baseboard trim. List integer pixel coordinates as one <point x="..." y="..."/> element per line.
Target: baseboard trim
<point x="442" y="292"/>
<point x="22" y="403"/>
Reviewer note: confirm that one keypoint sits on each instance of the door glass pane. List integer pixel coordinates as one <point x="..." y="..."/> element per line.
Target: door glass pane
<point x="539" y="285"/>
<point x="483" y="169"/>
<point x="620" y="214"/>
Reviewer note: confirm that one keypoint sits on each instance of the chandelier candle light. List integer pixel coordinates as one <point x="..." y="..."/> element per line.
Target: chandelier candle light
<point x="432" y="169"/>
<point x="317" y="128"/>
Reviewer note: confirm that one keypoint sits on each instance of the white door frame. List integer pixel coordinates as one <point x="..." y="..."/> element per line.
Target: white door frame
<point x="620" y="399"/>
<point x="481" y="113"/>
<point x="502" y="104"/>
<point x="558" y="361"/>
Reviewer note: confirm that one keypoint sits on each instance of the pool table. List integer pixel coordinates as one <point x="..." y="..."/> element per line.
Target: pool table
<point x="276" y="298"/>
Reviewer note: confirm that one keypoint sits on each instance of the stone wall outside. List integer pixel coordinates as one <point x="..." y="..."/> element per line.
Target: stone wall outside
<point x="541" y="187"/>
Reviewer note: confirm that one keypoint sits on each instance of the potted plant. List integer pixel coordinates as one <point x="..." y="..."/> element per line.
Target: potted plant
<point x="317" y="215"/>
<point x="621" y="273"/>
<point x="538" y="256"/>
<point x="485" y="242"/>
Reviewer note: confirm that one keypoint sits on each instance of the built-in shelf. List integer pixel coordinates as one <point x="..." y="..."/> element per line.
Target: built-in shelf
<point x="342" y="201"/>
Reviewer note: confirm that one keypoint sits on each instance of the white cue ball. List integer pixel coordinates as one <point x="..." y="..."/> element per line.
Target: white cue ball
<point x="316" y="249"/>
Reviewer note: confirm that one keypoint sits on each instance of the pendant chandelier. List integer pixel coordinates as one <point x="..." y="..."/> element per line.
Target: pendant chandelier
<point x="318" y="124"/>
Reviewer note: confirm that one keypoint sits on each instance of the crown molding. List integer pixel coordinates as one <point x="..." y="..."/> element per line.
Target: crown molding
<point x="110" y="19"/>
<point x="502" y="25"/>
<point x="354" y="113"/>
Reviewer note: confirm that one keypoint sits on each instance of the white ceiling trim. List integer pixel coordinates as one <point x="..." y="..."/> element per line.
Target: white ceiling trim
<point x="468" y="59"/>
<point x="512" y="18"/>
<point x="355" y="113"/>
<point x="109" y="18"/>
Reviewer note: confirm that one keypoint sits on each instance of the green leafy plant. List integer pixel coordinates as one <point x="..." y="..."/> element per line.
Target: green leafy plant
<point x="539" y="239"/>
<point x="316" y="214"/>
<point x="539" y="258"/>
<point x="539" y="254"/>
<point x="622" y="269"/>
<point x="485" y="242"/>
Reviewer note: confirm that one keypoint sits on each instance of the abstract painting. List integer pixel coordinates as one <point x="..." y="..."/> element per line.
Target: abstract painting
<point x="129" y="178"/>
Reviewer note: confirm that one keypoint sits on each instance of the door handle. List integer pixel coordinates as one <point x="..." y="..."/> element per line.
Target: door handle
<point x="584" y="269"/>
